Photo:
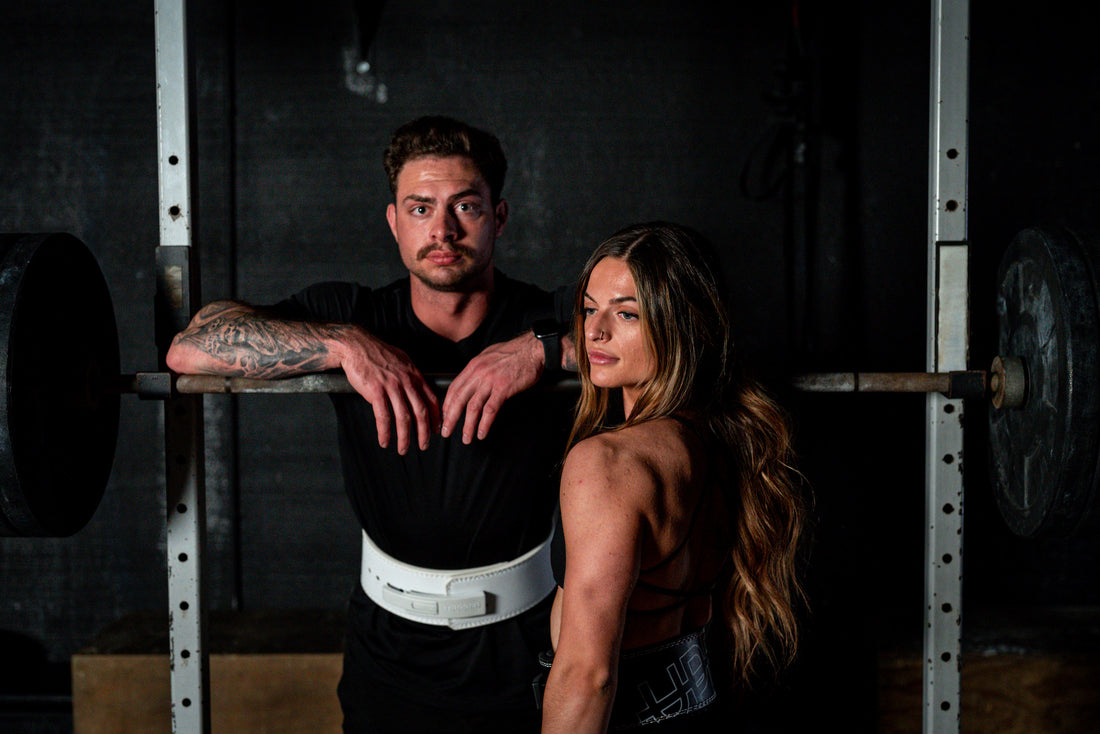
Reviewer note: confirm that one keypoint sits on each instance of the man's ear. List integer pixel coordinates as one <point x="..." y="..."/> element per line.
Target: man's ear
<point x="501" y="214"/>
<point x="391" y="218"/>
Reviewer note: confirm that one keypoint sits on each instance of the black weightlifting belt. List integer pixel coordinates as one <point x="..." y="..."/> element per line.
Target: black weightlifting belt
<point x="657" y="682"/>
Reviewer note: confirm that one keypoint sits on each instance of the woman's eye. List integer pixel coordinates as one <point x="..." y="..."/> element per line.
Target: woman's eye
<point x="627" y="315"/>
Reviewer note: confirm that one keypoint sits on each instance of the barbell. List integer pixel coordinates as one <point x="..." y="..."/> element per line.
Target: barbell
<point x="61" y="384"/>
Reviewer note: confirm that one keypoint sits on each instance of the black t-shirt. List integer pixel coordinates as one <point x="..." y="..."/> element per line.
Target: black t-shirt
<point x="451" y="505"/>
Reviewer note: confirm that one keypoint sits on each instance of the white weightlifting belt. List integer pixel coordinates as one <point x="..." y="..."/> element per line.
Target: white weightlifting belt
<point x="460" y="598"/>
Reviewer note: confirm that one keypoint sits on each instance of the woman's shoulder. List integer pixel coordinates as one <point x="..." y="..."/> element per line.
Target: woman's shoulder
<point x="637" y="442"/>
<point x="643" y="453"/>
<point x="602" y="452"/>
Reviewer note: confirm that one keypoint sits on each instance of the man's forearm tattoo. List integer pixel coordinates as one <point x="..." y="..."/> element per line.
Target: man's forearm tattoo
<point x="569" y="355"/>
<point x="569" y="362"/>
<point x="261" y="347"/>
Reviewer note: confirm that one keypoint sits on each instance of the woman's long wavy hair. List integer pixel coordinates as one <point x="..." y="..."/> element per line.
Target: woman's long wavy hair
<point x="688" y="327"/>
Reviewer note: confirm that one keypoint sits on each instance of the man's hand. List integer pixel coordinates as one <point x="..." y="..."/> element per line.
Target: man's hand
<point x="388" y="380"/>
<point x="499" y="372"/>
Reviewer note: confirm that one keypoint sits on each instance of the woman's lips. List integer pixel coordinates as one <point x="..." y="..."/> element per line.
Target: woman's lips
<point x="600" y="358"/>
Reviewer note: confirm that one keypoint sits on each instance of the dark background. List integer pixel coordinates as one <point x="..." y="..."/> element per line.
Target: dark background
<point x="609" y="114"/>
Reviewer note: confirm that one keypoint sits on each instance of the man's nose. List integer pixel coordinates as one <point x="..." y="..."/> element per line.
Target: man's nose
<point x="444" y="226"/>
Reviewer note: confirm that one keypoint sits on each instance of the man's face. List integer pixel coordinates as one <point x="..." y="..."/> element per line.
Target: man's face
<point x="445" y="223"/>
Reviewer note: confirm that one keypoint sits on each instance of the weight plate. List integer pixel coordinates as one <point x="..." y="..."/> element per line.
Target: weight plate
<point x="1043" y="454"/>
<point x="58" y="350"/>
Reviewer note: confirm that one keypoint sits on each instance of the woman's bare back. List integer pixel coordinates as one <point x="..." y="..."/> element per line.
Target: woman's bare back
<point x="662" y="471"/>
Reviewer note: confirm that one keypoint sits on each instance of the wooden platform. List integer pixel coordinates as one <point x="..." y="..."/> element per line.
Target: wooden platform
<point x="269" y="672"/>
<point x="1005" y="693"/>
<point x="1022" y="673"/>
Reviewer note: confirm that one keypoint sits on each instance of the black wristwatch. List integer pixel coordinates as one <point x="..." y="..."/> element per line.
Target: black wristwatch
<point x="548" y="332"/>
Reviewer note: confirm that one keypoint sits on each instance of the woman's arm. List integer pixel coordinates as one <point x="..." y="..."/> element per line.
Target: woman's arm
<point x="602" y="520"/>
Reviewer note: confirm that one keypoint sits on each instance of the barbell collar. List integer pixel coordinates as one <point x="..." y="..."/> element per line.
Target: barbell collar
<point x="965" y="384"/>
<point x="1008" y="382"/>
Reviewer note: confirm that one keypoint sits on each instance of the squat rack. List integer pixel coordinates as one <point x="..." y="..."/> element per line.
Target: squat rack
<point x="947" y="349"/>
<point x="177" y="297"/>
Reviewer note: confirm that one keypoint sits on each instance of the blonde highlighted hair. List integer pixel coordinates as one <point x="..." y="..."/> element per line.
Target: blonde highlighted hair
<point x="689" y="332"/>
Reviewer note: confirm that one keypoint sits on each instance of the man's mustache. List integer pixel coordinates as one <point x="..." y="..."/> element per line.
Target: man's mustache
<point x="458" y="249"/>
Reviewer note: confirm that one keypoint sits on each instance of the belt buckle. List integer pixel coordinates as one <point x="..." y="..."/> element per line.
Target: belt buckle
<point x="437" y="605"/>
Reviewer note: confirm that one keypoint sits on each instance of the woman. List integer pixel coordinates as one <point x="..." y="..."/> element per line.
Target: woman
<point x="683" y="510"/>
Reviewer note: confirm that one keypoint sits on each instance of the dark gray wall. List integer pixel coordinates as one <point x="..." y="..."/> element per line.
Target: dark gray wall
<point x="608" y="116"/>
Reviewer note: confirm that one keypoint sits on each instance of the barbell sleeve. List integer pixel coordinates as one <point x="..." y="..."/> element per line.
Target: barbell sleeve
<point x="304" y="384"/>
<point x="958" y="384"/>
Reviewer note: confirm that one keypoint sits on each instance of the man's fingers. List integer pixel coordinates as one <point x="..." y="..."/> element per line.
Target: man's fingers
<point x="379" y="402"/>
<point x="480" y="402"/>
<point x="402" y="419"/>
<point x="488" y="415"/>
<point x="473" y="417"/>
<point x="454" y="404"/>
<point x="400" y="397"/>
<point x="412" y="400"/>
<point x="391" y="411"/>
<point x="425" y="408"/>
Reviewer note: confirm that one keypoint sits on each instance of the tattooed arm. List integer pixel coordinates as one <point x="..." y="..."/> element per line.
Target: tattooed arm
<point x="235" y="339"/>
<point x="228" y="338"/>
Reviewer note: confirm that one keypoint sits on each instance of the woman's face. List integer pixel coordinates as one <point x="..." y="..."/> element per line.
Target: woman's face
<point x="617" y="345"/>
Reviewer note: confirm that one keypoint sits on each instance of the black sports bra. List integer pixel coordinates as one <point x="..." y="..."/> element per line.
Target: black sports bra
<point x="680" y="596"/>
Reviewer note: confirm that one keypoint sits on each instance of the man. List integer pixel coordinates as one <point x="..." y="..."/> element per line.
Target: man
<point x="430" y="650"/>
